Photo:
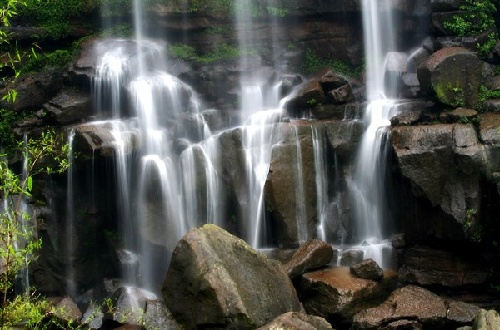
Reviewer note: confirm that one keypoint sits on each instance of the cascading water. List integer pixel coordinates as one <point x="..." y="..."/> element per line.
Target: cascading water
<point x="367" y="186"/>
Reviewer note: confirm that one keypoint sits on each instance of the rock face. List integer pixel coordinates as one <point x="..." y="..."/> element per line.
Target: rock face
<point x="297" y="321"/>
<point x="437" y="267"/>
<point x="335" y="294"/>
<point x="290" y="188"/>
<point x="443" y="164"/>
<point x="312" y="255"/>
<point x="217" y="280"/>
<point x="453" y="76"/>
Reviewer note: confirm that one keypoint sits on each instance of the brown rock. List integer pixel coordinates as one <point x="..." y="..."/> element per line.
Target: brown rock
<point x="335" y="294"/>
<point x="311" y="255"/>
<point x="368" y="269"/>
<point x="409" y="303"/>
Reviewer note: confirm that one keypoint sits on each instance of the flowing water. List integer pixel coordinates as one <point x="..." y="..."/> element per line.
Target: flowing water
<point x="168" y="162"/>
<point x="368" y="182"/>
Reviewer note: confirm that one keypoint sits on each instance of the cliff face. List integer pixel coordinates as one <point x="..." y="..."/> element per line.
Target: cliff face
<point x="443" y="178"/>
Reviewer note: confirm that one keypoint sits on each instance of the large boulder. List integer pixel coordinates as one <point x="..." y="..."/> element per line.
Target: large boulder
<point x="453" y="76"/>
<point x="415" y="306"/>
<point x="427" y="266"/>
<point x="297" y="321"/>
<point x="217" y="280"/>
<point x="336" y="295"/>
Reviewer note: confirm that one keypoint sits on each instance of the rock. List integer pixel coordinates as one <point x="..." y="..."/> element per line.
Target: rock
<point x="443" y="164"/>
<point x="487" y="320"/>
<point x="130" y="304"/>
<point x="69" y="107"/>
<point x="335" y="294"/>
<point x="461" y="313"/>
<point x="367" y="269"/>
<point x="296" y="321"/>
<point x="489" y="128"/>
<point x="341" y="95"/>
<point x="426" y="266"/>
<point x="293" y="210"/>
<point x="409" y="113"/>
<point x="157" y="316"/>
<point x="453" y="76"/>
<point x="33" y="90"/>
<point x="217" y="280"/>
<point x="328" y="111"/>
<point x="398" y="241"/>
<point x="344" y="137"/>
<point x="458" y="115"/>
<point x="67" y="310"/>
<point x="351" y="257"/>
<point x="492" y="105"/>
<point x="311" y="255"/>
<point x="410" y="303"/>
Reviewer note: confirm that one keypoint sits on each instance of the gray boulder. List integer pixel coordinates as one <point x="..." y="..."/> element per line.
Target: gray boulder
<point x="217" y="280"/>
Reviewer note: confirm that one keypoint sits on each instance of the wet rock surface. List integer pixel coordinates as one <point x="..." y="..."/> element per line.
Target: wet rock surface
<point x="311" y="255"/>
<point x="336" y="295"/>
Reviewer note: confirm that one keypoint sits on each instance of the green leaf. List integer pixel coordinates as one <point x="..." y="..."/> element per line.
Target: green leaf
<point x="29" y="182"/>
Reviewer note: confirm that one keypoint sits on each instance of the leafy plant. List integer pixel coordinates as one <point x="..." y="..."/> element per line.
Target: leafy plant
<point x="312" y="63"/>
<point x="486" y="94"/>
<point x="18" y="242"/>
<point x="218" y="53"/>
<point x="476" y="17"/>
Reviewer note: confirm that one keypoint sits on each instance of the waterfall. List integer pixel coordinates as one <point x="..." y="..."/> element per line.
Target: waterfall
<point x="71" y="285"/>
<point x="367" y="185"/>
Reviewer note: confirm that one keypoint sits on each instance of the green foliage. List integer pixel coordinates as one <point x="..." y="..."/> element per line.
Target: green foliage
<point x="57" y="59"/>
<point x="55" y="15"/>
<point x="312" y="63"/>
<point x="477" y="16"/>
<point x="486" y="94"/>
<point x="218" y="53"/>
<point x="11" y="56"/>
<point x="46" y="153"/>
